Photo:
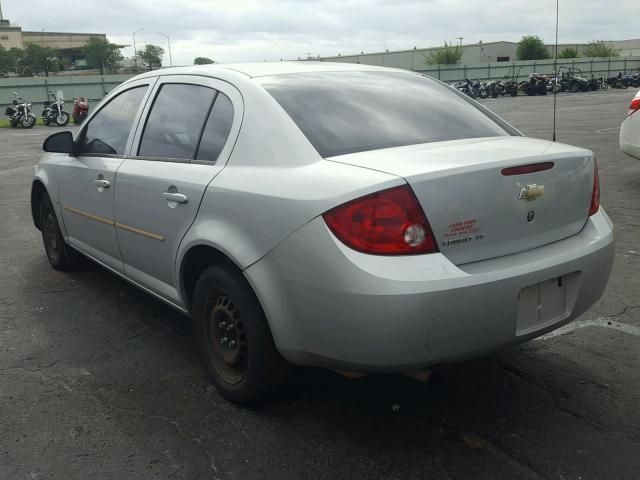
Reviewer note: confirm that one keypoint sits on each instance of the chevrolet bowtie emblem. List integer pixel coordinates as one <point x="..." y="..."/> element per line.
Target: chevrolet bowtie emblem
<point x="531" y="192"/>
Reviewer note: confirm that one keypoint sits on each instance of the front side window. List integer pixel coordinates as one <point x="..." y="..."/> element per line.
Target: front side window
<point x="109" y="129"/>
<point x="176" y="121"/>
<point x="348" y="112"/>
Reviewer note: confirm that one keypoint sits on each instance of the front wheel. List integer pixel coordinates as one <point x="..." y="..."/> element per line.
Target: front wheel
<point x="62" y="119"/>
<point x="482" y="92"/>
<point x="61" y="256"/>
<point x="233" y="336"/>
<point x="28" y="121"/>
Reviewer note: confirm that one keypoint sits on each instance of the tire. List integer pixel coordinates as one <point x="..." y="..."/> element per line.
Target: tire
<point x="28" y="122"/>
<point x="60" y="255"/>
<point x="541" y="89"/>
<point x="574" y="87"/>
<point x="62" y="119"/>
<point x="482" y="92"/>
<point x="233" y="336"/>
<point x="514" y="92"/>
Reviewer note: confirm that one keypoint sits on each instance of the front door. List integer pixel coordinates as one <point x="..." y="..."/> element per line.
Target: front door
<point x="87" y="178"/>
<point x="178" y="151"/>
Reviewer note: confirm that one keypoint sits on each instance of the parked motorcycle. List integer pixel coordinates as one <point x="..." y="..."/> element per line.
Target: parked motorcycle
<point x="619" y="81"/>
<point x="536" y="85"/>
<point x="494" y="87"/>
<point x="603" y="84"/>
<point x="594" y="84"/>
<point x="19" y="113"/>
<point x="468" y="88"/>
<point x="80" y="109"/>
<point x="481" y="89"/>
<point x="54" y="111"/>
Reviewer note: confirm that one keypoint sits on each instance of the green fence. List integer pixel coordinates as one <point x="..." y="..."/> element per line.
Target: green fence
<point x="522" y="69"/>
<point x="95" y="87"/>
<point x="35" y="89"/>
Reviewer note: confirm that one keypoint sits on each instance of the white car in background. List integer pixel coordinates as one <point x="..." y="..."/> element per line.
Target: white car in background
<point x="630" y="129"/>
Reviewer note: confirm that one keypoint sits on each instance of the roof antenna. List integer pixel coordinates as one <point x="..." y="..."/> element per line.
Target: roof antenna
<point x="555" y="72"/>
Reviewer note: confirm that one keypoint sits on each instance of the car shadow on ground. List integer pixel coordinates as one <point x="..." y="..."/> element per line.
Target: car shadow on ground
<point x="101" y="298"/>
<point x="138" y="357"/>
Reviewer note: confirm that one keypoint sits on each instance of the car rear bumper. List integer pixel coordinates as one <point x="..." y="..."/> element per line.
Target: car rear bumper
<point x="331" y="306"/>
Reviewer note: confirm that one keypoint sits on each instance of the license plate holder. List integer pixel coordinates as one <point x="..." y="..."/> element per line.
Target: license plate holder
<point x="542" y="304"/>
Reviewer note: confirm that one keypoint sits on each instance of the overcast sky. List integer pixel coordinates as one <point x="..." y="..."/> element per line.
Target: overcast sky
<point x="235" y="31"/>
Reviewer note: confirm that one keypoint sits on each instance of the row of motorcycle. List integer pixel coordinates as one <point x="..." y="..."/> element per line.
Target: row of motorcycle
<point x="21" y="115"/>
<point x="571" y="80"/>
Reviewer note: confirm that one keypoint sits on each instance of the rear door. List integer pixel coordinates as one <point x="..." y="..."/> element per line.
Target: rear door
<point x="183" y="141"/>
<point x="87" y="179"/>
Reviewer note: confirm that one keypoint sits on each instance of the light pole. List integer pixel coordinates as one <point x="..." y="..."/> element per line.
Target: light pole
<point x="169" y="42"/>
<point x="135" y="51"/>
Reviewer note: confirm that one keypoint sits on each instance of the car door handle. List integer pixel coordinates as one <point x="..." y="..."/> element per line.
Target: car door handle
<point x="175" y="197"/>
<point x="101" y="183"/>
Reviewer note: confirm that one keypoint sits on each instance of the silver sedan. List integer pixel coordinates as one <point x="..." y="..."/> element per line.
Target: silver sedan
<point x="357" y="218"/>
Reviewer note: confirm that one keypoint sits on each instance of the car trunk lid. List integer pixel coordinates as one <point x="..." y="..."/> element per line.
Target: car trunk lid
<point x="478" y="212"/>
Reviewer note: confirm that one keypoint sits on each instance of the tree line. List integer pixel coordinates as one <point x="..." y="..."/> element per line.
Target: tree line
<point x="530" y="47"/>
<point x="100" y="54"/>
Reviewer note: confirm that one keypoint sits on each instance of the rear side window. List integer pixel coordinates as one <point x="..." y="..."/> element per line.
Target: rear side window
<point x="109" y="129"/>
<point x="176" y="120"/>
<point x="348" y="112"/>
<point x="217" y="129"/>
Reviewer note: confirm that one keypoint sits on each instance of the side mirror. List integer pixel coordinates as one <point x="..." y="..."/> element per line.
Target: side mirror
<point x="61" y="142"/>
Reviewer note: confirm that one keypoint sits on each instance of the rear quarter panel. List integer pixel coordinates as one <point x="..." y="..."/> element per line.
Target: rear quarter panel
<point x="273" y="183"/>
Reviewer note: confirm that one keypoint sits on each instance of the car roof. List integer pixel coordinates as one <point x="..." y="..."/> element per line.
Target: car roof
<point x="260" y="69"/>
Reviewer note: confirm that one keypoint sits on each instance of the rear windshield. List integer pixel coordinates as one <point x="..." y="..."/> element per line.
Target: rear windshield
<point x="348" y="112"/>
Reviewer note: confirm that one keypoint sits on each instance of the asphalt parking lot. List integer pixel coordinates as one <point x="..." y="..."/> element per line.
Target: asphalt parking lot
<point x="100" y="381"/>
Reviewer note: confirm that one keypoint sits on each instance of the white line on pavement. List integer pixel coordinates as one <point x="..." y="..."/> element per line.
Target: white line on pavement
<point x="604" y="322"/>
<point x="21" y="155"/>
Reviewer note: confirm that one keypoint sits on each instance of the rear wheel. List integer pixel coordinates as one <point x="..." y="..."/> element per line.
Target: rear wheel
<point x="233" y="336"/>
<point x="61" y="256"/>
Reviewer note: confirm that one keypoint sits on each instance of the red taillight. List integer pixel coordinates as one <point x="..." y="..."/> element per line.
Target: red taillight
<point x="595" y="196"/>
<point x="635" y="104"/>
<point x="531" y="168"/>
<point x="390" y="222"/>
